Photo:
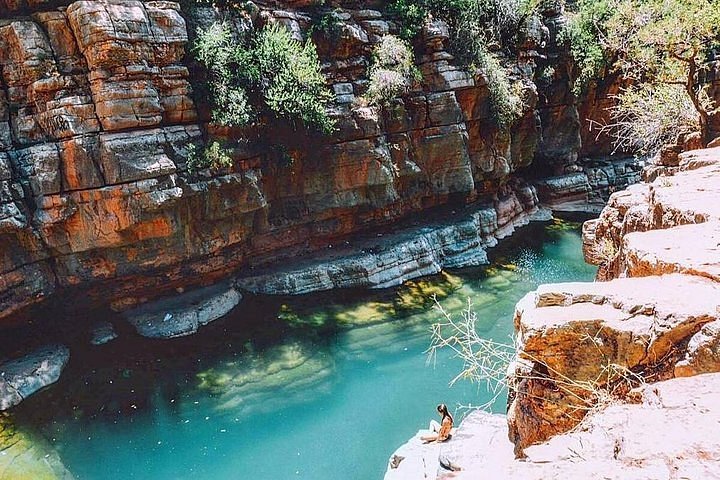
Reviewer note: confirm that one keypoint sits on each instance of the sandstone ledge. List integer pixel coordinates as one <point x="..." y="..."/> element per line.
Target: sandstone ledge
<point x="654" y="319"/>
<point x="386" y="260"/>
<point x="629" y="366"/>
<point x="669" y="433"/>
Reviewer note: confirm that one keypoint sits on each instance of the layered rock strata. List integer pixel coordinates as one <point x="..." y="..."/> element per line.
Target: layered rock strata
<point x="386" y="260"/>
<point x="580" y="344"/>
<point x="97" y="113"/>
<point x="587" y="184"/>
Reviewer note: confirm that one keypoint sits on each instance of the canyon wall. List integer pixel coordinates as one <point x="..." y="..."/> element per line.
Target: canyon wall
<point x="98" y="107"/>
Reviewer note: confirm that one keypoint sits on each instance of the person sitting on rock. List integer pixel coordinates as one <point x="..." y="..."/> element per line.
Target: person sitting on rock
<point x="442" y="429"/>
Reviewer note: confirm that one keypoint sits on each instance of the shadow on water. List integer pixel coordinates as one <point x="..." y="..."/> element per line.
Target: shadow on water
<point x="312" y="370"/>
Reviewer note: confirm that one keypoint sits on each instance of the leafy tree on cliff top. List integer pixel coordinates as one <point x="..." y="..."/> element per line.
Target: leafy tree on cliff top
<point x="655" y="43"/>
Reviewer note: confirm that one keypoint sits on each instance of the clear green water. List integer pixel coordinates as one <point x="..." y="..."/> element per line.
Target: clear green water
<point x="327" y="388"/>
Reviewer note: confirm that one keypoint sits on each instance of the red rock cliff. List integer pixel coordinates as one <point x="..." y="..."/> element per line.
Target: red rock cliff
<point x="97" y="111"/>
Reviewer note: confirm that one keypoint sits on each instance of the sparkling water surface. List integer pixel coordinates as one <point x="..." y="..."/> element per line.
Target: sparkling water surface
<point x="318" y="387"/>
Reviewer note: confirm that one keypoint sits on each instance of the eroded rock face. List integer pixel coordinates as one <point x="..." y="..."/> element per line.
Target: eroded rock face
<point x="97" y="112"/>
<point x="587" y="185"/>
<point x="653" y="318"/>
<point x="576" y="340"/>
<point x="24" y="376"/>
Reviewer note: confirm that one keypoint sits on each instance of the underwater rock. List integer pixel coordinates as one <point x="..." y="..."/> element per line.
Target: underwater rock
<point x="102" y="333"/>
<point x="26" y="456"/>
<point x="21" y="377"/>
<point x="183" y="314"/>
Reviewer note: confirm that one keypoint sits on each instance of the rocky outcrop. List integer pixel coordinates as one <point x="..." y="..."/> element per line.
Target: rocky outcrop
<point x="627" y="366"/>
<point x="656" y="243"/>
<point x="24" y="376"/>
<point x="481" y="434"/>
<point x="626" y="238"/>
<point x="614" y="443"/>
<point x="580" y="344"/>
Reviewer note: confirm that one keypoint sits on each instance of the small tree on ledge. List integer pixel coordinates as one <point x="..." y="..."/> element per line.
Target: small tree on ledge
<point x="667" y="42"/>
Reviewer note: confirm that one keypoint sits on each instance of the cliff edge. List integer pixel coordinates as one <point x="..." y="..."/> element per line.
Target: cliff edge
<point x="616" y="378"/>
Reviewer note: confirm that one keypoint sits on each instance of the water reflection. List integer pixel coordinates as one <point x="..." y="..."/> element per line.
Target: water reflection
<point x="321" y="386"/>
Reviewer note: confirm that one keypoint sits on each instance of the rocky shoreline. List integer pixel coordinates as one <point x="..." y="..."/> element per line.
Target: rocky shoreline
<point x="618" y="377"/>
<point x="453" y="241"/>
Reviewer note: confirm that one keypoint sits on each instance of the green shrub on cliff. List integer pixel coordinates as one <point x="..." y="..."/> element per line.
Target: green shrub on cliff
<point x="266" y="76"/>
<point x="392" y="70"/>
<point x="499" y="22"/>
<point x="584" y="33"/>
<point x="654" y="43"/>
<point x="481" y="32"/>
<point x="213" y="156"/>
<point x="217" y="50"/>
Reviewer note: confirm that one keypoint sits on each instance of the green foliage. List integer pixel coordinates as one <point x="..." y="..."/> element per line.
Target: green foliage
<point x="477" y="29"/>
<point x="499" y="22"/>
<point x="506" y="104"/>
<point x="584" y="34"/>
<point x="292" y="83"/>
<point x="269" y="74"/>
<point x="653" y="42"/>
<point x="392" y="70"/>
<point x="327" y="23"/>
<point x="214" y="156"/>
<point x="544" y="76"/>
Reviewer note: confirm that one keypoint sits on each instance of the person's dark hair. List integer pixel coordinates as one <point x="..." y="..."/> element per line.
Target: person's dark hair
<point x="442" y="408"/>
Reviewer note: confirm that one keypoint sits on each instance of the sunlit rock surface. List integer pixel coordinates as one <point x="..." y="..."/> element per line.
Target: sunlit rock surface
<point x="572" y="338"/>
<point x="668" y="432"/>
<point x="24" y="376"/>
<point x="625" y="240"/>
<point x="576" y="340"/>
